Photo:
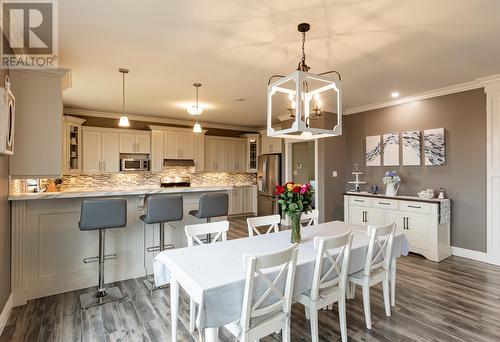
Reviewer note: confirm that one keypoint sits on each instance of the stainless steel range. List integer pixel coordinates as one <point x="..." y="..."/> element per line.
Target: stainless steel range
<point x="175" y="182"/>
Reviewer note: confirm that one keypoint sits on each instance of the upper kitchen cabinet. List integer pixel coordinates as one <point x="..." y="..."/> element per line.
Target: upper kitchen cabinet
<point x="135" y="142"/>
<point x="100" y="150"/>
<point x="176" y="143"/>
<point x="225" y="154"/>
<point x="72" y="144"/>
<point x="179" y="144"/>
<point x="39" y="113"/>
<point x="156" y="156"/>
<point x="270" y="145"/>
<point x="252" y="151"/>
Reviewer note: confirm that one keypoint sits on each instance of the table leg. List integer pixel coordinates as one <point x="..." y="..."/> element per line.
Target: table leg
<point x="211" y="334"/>
<point x="174" y="306"/>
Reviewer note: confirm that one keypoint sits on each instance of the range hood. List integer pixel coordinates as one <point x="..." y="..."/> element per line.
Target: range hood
<point x="178" y="162"/>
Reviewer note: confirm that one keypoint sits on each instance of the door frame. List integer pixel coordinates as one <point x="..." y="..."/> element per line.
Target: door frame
<point x="492" y="90"/>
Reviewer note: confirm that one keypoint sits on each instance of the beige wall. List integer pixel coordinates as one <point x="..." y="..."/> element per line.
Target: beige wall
<point x="4" y="225"/>
<point x="463" y="115"/>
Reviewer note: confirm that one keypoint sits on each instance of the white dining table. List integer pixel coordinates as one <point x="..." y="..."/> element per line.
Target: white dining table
<point x="213" y="275"/>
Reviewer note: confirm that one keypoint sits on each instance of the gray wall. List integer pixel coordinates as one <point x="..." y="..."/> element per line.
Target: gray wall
<point x="4" y="225"/>
<point x="463" y="115"/>
<point x="303" y="152"/>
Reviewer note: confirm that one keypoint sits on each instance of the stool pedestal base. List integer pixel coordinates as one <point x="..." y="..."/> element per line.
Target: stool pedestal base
<point x="88" y="300"/>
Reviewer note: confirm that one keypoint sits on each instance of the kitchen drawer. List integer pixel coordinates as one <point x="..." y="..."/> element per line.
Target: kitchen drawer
<point x="415" y="207"/>
<point x="384" y="203"/>
<point x="360" y="201"/>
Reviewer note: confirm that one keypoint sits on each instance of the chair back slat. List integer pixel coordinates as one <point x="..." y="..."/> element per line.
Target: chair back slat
<point x="271" y="221"/>
<point x="330" y="271"/>
<point x="193" y="232"/>
<point x="379" y="247"/>
<point x="310" y="218"/>
<point x="269" y="284"/>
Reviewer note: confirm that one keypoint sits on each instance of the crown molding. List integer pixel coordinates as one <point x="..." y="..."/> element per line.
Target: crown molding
<point x="153" y="119"/>
<point x="456" y="88"/>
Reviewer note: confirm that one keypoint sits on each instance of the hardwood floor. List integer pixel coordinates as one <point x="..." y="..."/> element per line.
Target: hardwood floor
<point x="454" y="300"/>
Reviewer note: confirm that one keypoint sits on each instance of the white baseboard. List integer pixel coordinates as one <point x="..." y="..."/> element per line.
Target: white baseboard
<point x="4" y="316"/>
<point x="470" y="254"/>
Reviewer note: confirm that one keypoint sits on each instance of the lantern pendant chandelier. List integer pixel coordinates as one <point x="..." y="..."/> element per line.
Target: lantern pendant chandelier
<point x="123" y="118"/>
<point x="196" y="109"/>
<point x="304" y="91"/>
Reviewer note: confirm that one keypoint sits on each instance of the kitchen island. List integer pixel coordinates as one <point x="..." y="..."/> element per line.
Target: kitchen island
<point x="48" y="248"/>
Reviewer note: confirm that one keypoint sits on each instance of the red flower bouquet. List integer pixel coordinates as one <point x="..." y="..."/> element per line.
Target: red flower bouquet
<point x="294" y="200"/>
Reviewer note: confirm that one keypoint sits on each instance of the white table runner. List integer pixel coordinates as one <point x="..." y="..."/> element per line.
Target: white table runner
<point x="213" y="275"/>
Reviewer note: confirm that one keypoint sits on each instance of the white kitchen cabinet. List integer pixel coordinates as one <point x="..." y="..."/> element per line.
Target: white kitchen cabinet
<point x="229" y="151"/>
<point x="251" y="152"/>
<point x="110" y="152"/>
<point x="133" y="142"/>
<point x="199" y="152"/>
<point x="416" y="219"/>
<point x="186" y="145"/>
<point x="211" y="147"/>
<point x="39" y="131"/>
<point x="171" y="141"/>
<point x="270" y="145"/>
<point x="176" y="143"/>
<point x="179" y="145"/>
<point x="100" y="150"/>
<point x="156" y="150"/>
<point x="225" y="154"/>
<point x="72" y="144"/>
<point x="92" y="147"/>
<point x="250" y="200"/>
<point x="127" y="143"/>
<point x="237" y="201"/>
<point x="240" y="156"/>
<point x="357" y="215"/>
<point x="143" y="143"/>
<point x="243" y="200"/>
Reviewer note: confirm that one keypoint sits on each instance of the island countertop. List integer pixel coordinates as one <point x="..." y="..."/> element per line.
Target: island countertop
<point x="116" y="191"/>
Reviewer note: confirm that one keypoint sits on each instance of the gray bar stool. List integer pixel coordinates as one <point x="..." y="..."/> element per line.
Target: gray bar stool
<point x="211" y="205"/>
<point x="102" y="214"/>
<point x="161" y="209"/>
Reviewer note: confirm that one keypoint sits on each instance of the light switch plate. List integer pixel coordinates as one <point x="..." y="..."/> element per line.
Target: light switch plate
<point x="334" y="174"/>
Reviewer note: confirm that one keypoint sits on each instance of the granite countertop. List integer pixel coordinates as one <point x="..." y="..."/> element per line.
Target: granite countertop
<point x="409" y="198"/>
<point x="116" y="191"/>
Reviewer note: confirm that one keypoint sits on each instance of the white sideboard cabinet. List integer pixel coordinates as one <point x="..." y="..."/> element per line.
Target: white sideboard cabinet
<point x="416" y="218"/>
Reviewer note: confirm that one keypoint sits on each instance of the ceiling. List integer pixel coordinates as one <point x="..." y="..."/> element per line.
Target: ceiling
<point x="233" y="46"/>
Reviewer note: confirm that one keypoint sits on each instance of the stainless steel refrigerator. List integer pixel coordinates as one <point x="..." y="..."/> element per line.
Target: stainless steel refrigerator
<point x="268" y="176"/>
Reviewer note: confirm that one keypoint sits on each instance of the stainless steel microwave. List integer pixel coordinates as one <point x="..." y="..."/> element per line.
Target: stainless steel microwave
<point x="131" y="164"/>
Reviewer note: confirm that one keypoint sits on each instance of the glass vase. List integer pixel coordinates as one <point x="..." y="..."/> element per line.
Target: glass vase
<point x="295" y="233"/>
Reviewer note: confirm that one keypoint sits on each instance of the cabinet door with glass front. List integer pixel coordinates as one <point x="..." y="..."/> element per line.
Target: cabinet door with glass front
<point x="72" y="144"/>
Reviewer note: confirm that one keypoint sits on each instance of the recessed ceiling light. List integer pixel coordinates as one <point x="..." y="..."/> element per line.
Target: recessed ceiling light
<point x="395" y="94"/>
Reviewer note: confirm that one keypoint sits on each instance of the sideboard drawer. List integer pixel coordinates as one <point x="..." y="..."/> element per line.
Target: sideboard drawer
<point x="384" y="203"/>
<point x="416" y="207"/>
<point x="360" y="201"/>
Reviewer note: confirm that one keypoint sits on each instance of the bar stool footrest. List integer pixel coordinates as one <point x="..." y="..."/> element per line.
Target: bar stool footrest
<point x="88" y="300"/>
<point x="157" y="248"/>
<point x="96" y="258"/>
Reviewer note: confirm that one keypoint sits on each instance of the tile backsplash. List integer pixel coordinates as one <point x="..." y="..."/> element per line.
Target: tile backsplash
<point x="137" y="179"/>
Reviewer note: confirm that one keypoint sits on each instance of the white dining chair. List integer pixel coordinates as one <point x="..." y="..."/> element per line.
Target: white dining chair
<point x="271" y="221"/>
<point x="377" y="268"/>
<point x="310" y="218"/>
<point x="193" y="233"/>
<point x="329" y="281"/>
<point x="267" y="302"/>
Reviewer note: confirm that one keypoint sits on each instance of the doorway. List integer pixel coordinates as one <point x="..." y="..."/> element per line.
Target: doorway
<point x="301" y="164"/>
